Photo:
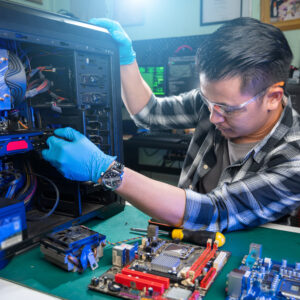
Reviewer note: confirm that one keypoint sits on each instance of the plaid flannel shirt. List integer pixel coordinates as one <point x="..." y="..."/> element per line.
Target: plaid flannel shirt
<point x="260" y="188"/>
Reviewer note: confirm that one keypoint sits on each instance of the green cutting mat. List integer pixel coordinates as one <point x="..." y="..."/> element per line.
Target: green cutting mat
<point x="32" y="270"/>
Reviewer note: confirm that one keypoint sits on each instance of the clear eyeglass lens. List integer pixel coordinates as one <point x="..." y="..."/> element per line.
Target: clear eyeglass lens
<point x="222" y="110"/>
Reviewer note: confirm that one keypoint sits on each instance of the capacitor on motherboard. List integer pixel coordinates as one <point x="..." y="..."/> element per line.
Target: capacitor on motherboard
<point x="150" y="291"/>
<point x="294" y="274"/>
<point x="95" y="281"/>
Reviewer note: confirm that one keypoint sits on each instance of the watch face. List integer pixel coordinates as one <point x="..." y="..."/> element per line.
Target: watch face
<point x="112" y="178"/>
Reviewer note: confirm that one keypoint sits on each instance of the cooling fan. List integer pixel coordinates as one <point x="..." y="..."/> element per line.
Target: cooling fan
<point x="74" y="248"/>
<point x="71" y="236"/>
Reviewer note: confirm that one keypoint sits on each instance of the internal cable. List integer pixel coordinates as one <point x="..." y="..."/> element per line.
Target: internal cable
<point x="31" y="193"/>
<point x="28" y="186"/>
<point x="23" y="125"/>
<point x="56" y="200"/>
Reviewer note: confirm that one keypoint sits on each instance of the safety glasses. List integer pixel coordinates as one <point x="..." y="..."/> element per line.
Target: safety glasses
<point x="229" y="110"/>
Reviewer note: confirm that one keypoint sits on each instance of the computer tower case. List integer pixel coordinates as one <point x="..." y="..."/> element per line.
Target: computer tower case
<point x="55" y="72"/>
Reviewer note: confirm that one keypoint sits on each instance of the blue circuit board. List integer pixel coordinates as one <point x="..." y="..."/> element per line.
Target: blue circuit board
<point x="263" y="278"/>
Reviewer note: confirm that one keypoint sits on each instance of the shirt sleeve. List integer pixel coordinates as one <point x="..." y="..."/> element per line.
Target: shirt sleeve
<point x="259" y="198"/>
<point x="175" y="112"/>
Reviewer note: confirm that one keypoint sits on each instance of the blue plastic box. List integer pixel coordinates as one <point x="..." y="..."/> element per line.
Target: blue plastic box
<point x="13" y="227"/>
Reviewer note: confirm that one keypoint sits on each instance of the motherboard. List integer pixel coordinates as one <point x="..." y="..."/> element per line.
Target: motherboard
<point x="263" y="278"/>
<point x="161" y="269"/>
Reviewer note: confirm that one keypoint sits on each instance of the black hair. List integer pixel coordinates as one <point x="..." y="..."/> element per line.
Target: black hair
<point x="257" y="52"/>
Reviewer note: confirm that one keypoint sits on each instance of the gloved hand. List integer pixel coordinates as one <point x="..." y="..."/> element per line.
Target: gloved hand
<point x="127" y="54"/>
<point x="75" y="156"/>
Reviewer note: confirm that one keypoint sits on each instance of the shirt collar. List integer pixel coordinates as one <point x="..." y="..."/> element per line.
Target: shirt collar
<point x="278" y="132"/>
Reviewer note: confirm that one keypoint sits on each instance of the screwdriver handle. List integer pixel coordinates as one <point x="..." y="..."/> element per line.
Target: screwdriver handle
<point x="198" y="237"/>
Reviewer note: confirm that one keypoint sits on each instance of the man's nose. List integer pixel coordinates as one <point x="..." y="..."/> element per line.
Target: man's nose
<point x="215" y="117"/>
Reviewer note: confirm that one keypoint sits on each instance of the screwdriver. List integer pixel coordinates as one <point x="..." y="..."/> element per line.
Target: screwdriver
<point x="198" y="237"/>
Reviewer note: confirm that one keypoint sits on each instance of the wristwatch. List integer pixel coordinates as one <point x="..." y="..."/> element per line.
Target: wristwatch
<point x="112" y="178"/>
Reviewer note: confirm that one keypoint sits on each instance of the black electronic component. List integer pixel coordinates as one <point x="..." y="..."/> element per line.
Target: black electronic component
<point x="95" y="281"/>
<point x="290" y="288"/>
<point x="114" y="287"/>
<point x="182" y="74"/>
<point x="176" y="55"/>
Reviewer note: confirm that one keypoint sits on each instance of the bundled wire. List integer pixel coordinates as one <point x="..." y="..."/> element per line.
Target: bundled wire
<point x="22" y="125"/>
<point x="51" y="211"/>
<point x="27" y="193"/>
<point x="56" y="97"/>
<point x="10" y="181"/>
<point x="39" y="85"/>
<point x="15" y="47"/>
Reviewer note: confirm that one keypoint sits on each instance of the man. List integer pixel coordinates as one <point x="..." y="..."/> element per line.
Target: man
<point x="243" y="163"/>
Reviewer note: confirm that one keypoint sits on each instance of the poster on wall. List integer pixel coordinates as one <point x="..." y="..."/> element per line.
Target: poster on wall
<point x="281" y="10"/>
<point x="285" y="14"/>
<point x="219" y="11"/>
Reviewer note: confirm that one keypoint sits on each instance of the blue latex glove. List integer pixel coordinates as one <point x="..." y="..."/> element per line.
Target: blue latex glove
<point x="75" y="156"/>
<point x="127" y="54"/>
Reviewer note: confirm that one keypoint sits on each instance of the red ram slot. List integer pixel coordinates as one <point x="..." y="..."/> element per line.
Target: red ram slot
<point x="155" y="278"/>
<point x="139" y="283"/>
<point x="210" y="275"/>
<point x="195" y="296"/>
<point x="199" y="259"/>
<point x="205" y="261"/>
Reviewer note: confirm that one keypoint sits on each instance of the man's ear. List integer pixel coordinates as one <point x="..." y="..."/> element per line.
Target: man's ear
<point x="274" y="97"/>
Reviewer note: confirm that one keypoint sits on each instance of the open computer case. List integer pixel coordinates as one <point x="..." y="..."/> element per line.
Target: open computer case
<point x="54" y="72"/>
